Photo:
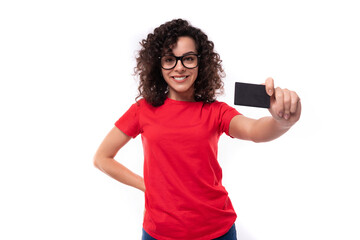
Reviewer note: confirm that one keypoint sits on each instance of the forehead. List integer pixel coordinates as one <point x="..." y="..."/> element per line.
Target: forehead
<point x="184" y="45"/>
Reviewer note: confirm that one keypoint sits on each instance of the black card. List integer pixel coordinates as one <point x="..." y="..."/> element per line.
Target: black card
<point x="251" y="95"/>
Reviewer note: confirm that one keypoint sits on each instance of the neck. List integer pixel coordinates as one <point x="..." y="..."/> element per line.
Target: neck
<point x="187" y="96"/>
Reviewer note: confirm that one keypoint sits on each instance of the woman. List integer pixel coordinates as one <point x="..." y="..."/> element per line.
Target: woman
<point x="180" y="123"/>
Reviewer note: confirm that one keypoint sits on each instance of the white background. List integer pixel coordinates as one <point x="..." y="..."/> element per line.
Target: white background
<point x="66" y="76"/>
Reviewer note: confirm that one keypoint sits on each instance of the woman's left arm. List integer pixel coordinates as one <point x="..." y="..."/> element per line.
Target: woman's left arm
<point x="285" y="109"/>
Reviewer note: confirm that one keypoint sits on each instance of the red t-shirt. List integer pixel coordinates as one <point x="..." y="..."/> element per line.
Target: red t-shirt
<point x="184" y="197"/>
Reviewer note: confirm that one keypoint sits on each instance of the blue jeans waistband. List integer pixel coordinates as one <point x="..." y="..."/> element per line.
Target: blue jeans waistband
<point x="230" y="235"/>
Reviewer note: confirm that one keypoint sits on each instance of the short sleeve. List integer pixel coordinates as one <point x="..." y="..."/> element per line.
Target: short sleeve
<point x="129" y="122"/>
<point x="226" y="114"/>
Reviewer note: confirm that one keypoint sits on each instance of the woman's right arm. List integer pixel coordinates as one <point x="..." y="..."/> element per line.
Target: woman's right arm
<point x="104" y="160"/>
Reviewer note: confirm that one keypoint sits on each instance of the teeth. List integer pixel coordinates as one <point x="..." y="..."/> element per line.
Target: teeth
<point x="179" y="78"/>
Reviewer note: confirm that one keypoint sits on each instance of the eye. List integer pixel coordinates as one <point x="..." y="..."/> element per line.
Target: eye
<point x="168" y="59"/>
<point x="189" y="58"/>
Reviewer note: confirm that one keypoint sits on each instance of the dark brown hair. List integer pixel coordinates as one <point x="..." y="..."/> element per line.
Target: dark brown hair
<point x="152" y="86"/>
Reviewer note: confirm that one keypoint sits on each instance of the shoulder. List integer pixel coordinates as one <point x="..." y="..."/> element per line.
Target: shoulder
<point x="142" y="106"/>
<point x="142" y="103"/>
<point x="223" y="109"/>
<point x="220" y="105"/>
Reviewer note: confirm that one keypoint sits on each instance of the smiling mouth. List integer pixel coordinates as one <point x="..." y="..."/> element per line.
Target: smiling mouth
<point x="180" y="78"/>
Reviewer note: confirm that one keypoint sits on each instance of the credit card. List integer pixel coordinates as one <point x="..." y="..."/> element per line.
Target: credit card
<point x="251" y="95"/>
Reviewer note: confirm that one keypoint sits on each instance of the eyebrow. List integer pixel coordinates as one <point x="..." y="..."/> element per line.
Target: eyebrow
<point x="187" y="53"/>
<point x="191" y="52"/>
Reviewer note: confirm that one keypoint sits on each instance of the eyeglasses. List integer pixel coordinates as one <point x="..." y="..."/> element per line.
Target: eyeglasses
<point x="189" y="61"/>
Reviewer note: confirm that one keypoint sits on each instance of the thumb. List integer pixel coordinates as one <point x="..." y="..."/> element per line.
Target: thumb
<point x="269" y="86"/>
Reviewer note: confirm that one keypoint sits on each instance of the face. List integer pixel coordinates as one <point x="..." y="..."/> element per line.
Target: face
<point x="181" y="79"/>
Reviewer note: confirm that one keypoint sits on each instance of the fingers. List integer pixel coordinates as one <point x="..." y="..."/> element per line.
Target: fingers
<point x="279" y="98"/>
<point x="269" y="85"/>
<point x="294" y="102"/>
<point x="286" y="102"/>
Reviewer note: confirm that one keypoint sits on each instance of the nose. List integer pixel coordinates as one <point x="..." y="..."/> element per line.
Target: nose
<point x="179" y="66"/>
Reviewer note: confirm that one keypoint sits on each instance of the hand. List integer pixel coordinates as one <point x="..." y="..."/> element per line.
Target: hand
<point x="285" y="105"/>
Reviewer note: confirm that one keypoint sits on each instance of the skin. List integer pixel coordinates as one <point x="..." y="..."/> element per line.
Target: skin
<point x="285" y="110"/>
<point x="181" y="90"/>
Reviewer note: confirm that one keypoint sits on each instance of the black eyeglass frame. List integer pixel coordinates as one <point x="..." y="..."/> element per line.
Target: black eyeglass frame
<point x="181" y="60"/>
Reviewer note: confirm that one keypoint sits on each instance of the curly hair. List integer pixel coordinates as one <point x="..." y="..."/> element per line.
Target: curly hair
<point x="152" y="86"/>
